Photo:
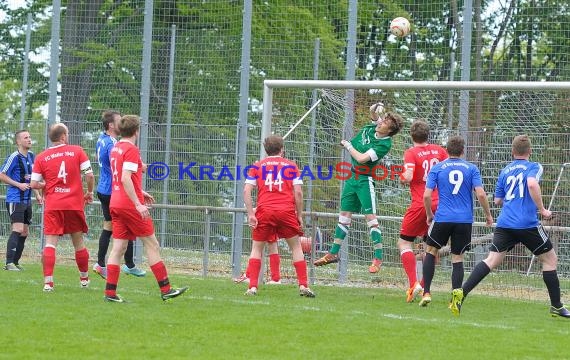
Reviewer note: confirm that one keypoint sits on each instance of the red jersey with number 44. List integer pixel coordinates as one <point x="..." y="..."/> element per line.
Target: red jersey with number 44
<point x="421" y="159"/>
<point x="60" y="167"/>
<point x="125" y="156"/>
<point x="274" y="177"/>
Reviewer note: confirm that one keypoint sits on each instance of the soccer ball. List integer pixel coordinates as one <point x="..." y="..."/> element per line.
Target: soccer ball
<point x="378" y="108"/>
<point x="400" y="27"/>
<point x="306" y="244"/>
<point x="377" y="111"/>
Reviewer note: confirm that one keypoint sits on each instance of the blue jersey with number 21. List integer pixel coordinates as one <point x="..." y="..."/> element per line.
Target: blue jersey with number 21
<point x="455" y="179"/>
<point x="519" y="210"/>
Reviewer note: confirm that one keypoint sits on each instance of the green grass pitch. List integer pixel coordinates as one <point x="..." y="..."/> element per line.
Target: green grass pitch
<point x="214" y="320"/>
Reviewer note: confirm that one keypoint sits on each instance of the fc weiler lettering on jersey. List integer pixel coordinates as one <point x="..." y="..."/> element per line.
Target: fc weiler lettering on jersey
<point x="58" y="155"/>
<point x="339" y="171"/>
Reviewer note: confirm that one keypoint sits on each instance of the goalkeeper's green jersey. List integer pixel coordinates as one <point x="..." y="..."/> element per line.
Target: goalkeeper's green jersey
<point x="366" y="140"/>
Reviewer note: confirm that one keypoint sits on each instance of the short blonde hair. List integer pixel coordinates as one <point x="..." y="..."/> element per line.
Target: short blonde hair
<point x="521" y="145"/>
<point x="56" y="131"/>
<point x="129" y="125"/>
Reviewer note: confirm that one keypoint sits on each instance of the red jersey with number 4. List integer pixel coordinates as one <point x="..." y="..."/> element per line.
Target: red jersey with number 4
<point x="125" y="156"/>
<point x="421" y="159"/>
<point x="60" y="167"/>
<point x="274" y="177"/>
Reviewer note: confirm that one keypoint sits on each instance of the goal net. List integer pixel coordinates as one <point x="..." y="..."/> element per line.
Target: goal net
<point x="487" y="115"/>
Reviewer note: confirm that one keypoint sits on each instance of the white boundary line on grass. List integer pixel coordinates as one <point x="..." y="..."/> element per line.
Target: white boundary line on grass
<point x="243" y="300"/>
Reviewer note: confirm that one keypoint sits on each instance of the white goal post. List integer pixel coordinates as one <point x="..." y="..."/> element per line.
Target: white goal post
<point x="488" y="121"/>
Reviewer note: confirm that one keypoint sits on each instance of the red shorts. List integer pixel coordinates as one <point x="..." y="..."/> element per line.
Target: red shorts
<point x="414" y="223"/>
<point x="129" y="224"/>
<point x="274" y="225"/>
<point x="59" y="222"/>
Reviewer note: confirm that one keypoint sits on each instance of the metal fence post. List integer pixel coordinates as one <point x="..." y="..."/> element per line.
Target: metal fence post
<point x="314" y="226"/>
<point x="25" y="75"/>
<point x="164" y="215"/>
<point x="241" y="145"/>
<point x="205" y="259"/>
<point x="145" y="99"/>
<point x="53" y="82"/>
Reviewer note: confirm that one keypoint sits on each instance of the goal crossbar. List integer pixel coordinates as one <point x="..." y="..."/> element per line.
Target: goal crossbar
<point x="426" y="85"/>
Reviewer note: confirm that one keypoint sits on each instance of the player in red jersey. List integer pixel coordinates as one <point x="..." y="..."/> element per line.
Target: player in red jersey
<point x="274" y="266"/>
<point x="130" y="215"/>
<point x="278" y="213"/>
<point x="418" y="160"/>
<point x="57" y="171"/>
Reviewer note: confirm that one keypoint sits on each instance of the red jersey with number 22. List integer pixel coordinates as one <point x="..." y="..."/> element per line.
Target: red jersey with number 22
<point x="125" y="156"/>
<point x="60" y="167"/>
<point x="274" y="177"/>
<point x="421" y="159"/>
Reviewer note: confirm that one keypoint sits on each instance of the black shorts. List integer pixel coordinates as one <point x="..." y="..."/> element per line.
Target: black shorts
<point x="535" y="239"/>
<point x="439" y="233"/>
<point x="105" y="201"/>
<point x="20" y="212"/>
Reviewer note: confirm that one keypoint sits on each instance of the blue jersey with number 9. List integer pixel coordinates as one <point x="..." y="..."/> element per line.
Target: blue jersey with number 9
<point x="455" y="179"/>
<point x="519" y="210"/>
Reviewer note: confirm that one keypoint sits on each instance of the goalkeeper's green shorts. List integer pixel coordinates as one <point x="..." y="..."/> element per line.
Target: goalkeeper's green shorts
<point x="359" y="195"/>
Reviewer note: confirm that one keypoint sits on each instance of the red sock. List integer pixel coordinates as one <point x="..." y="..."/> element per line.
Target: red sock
<point x="161" y="275"/>
<point x="254" y="266"/>
<point x="409" y="263"/>
<point x="301" y="270"/>
<point x="113" y="272"/>
<point x="274" y="265"/>
<point x="48" y="261"/>
<point x="82" y="261"/>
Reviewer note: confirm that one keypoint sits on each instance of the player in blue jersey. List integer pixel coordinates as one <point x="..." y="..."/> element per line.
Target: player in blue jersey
<point x="518" y="191"/>
<point x="16" y="172"/>
<point x="104" y="145"/>
<point x="455" y="180"/>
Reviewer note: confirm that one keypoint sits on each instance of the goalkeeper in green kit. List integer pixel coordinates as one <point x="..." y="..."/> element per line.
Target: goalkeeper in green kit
<point x="366" y="149"/>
